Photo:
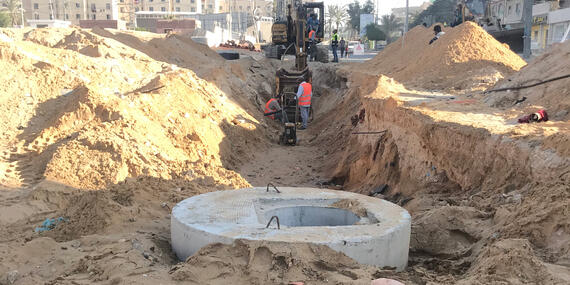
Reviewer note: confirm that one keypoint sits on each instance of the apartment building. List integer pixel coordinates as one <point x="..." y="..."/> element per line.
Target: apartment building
<point x="70" y="10"/>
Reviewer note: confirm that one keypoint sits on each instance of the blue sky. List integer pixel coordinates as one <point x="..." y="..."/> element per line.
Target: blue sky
<point x="385" y="5"/>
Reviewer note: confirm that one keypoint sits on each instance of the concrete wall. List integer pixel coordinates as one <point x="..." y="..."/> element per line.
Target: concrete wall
<point x="105" y="24"/>
<point x="185" y="26"/>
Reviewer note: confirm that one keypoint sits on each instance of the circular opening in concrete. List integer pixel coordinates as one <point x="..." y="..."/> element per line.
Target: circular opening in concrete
<point x="309" y="216"/>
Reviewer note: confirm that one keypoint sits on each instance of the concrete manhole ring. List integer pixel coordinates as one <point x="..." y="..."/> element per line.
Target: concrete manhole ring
<point x="369" y="230"/>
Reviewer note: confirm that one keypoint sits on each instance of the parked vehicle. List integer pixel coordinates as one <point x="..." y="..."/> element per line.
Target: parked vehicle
<point x="351" y="45"/>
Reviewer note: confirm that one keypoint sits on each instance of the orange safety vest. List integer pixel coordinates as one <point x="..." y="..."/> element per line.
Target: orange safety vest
<point x="267" y="110"/>
<point x="311" y="34"/>
<point x="305" y="98"/>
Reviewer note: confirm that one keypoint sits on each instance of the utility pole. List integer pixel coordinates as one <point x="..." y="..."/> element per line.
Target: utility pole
<point x="407" y="16"/>
<point x="527" y="19"/>
<point x="22" y="12"/>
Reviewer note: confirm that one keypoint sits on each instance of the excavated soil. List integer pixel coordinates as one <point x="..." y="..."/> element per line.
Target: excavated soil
<point x="110" y="130"/>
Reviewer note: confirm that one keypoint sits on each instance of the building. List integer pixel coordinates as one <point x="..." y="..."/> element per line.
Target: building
<point x="550" y="20"/>
<point x="559" y="24"/>
<point x="400" y="13"/>
<point x="71" y="10"/>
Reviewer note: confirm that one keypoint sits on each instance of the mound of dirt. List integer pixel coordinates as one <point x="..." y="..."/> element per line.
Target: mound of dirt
<point x="465" y="58"/>
<point x="247" y="262"/>
<point x="552" y="96"/>
<point x="98" y="108"/>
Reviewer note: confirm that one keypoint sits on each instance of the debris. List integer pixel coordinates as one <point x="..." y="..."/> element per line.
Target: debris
<point x="540" y="116"/>
<point x="50" y="224"/>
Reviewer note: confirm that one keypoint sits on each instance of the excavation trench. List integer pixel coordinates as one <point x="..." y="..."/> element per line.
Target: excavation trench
<point x="452" y="177"/>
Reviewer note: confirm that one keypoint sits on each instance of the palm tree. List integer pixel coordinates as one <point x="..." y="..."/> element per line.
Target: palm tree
<point x="340" y="16"/>
<point x="12" y="9"/>
<point x="390" y="24"/>
<point x="336" y="14"/>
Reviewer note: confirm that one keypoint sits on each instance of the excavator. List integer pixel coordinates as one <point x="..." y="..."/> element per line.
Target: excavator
<point x="290" y="35"/>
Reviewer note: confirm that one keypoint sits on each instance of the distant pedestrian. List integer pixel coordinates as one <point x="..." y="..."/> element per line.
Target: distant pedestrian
<point x="334" y="44"/>
<point x="342" y="47"/>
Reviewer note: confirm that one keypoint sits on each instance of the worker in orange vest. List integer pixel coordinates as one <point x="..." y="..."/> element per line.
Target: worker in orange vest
<point x="272" y="106"/>
<point x="304" y="94"/>
<point x="312" y="45"/>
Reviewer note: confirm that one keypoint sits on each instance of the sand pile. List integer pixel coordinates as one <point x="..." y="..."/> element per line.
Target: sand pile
<point x="94" y="110"/>
<point x="246" y="262"/>
<point x="552" y="96"/>
<point x="466" y="57"/>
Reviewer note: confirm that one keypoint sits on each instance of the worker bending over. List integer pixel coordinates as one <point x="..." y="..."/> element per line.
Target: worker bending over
<point x="304" y="94"/>
<point x="273" y="106"/>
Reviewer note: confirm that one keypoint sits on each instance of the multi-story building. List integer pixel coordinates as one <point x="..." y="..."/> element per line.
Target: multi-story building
<point x="71" y="10"/>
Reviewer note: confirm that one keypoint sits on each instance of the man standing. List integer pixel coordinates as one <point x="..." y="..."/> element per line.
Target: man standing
<point x="304" y="94"/>
<point x="334" y="44"/>
<point x="312" y="45"/>
<point x="342" y="47"/>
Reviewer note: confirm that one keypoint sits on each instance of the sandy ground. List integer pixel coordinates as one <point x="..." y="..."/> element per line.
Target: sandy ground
<point x="109" y="132"/>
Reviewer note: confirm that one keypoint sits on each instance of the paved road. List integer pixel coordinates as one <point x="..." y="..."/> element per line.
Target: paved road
<point x="356" y="58"/>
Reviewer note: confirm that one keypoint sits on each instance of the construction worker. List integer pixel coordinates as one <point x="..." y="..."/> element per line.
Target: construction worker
<point x="272" y="106"/>
<point x="438" y="33"/>
<point x="313" y="23"/>
<point x="304" y="94"/>
<point x="342" y="47"/>
<point x="334" y="44"/>
<point x="312" y="45"/>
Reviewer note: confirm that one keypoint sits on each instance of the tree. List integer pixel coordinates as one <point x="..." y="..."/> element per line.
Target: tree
<point x="354" y="10"/>
<point x="354" y="15"/>
<point x="390" y="24"/>
<point x="338" y="15"/>
<point x="442" y="11"/>
<point x="368" y="7"/>
<point x="375" y="33"/>
<point x="12" y="9"/>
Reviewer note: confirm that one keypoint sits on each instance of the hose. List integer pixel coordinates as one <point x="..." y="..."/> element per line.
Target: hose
<point x="528" y="86"/>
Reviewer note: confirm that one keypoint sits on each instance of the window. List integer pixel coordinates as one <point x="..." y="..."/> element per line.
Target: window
<point x="518" y="9"/>
<point x="108" y="6"/>
<point x="93" y="8"/>
<point x="163" y="9"/>
<point x="108" y="17"/>
<point x="36" y="6"/>
<point x="122" y="9"/>
<point x="192" y="1"/>
<point x="509" y="10"/>
<point x="535" y="35"/>
<point x="51" y="16"/>
<point x="240" y="7"/>
<point x="122" y="1"/>
<point x="163" y="0"/>
<point x="151" y="9"/>
<point x="136" y="9"/>
<point x="192" y="9"/>
<point x="150" y="0"/>
<point x="177" y="9"/>
<point x="221" y="8"/>
<point x="177" y="1"/>
<point x="93" y="17"/>
<point x="67" y="16"/>
<point x="248" y="7"/>
<point x="210" y="6"/>
<point x="77" y="5"/>
<point x="77" y="16"/>
<point x="37" y="16"/>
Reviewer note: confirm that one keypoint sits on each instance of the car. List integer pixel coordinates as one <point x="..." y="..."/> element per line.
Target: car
<point x="351" y="45"/>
